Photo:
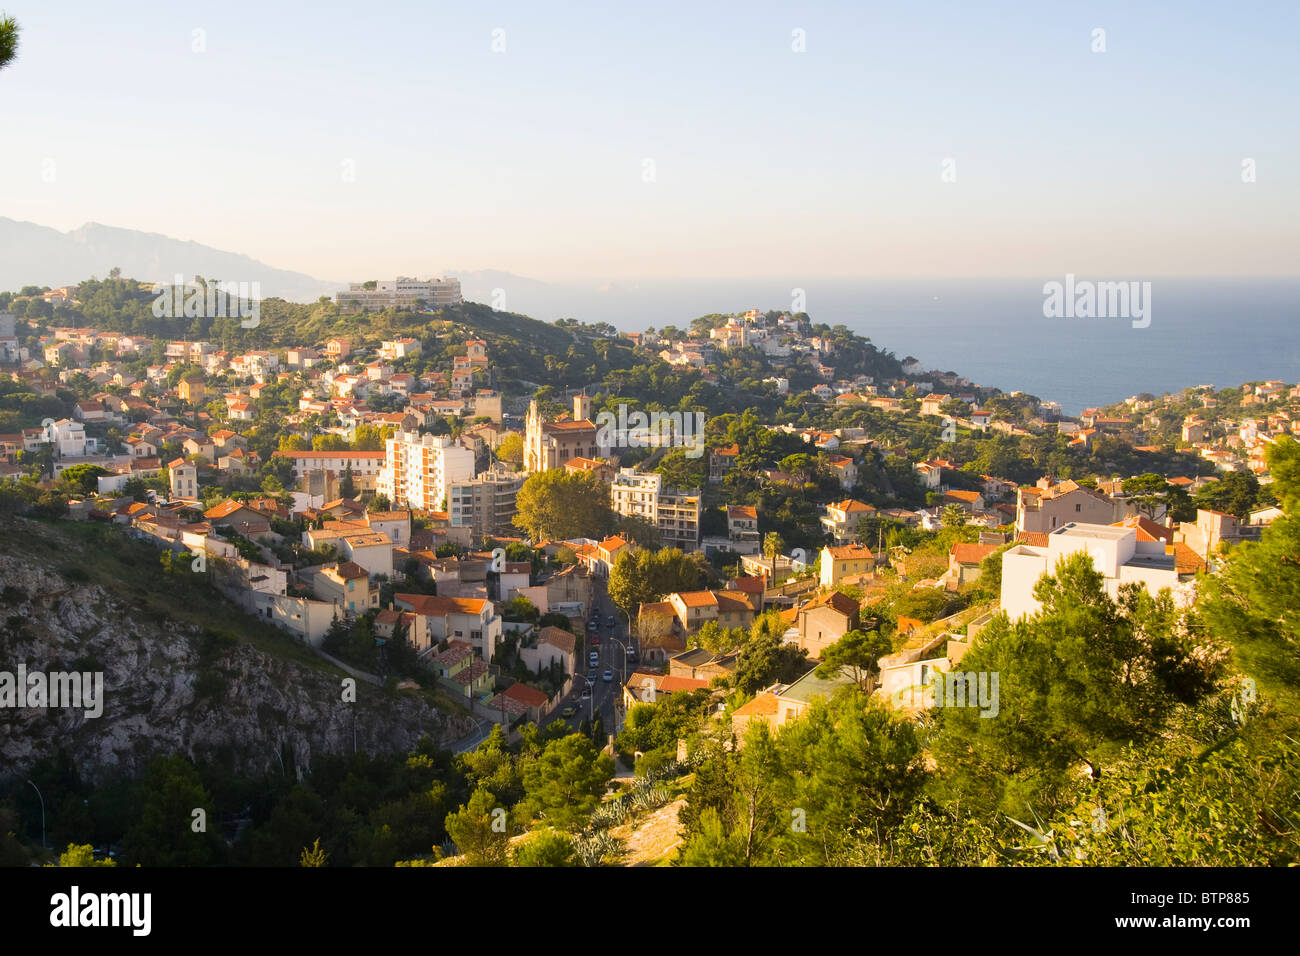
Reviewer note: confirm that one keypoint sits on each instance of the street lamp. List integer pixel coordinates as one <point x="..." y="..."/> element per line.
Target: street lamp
<point x="42" y="799"/>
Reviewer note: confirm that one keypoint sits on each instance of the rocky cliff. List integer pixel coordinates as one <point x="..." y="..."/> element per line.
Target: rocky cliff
<point x="171" y="683"/>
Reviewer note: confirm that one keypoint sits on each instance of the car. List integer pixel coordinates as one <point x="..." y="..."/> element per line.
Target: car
<point x="591" y="673"/>
<point x="595" y="640"/>
<point x="593" y="625"/>
<point x="586" y="693"/>
<point x="609" y="621"/>
<point x="631" y="654"/>
<point x="593" y="658"/>
<point x="608" y="675"/>
<point x="568" y="711"/>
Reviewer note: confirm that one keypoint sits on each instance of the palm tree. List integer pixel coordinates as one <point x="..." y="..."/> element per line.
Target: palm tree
<point x="773" y="545"/>
<point x="8" y="40"/>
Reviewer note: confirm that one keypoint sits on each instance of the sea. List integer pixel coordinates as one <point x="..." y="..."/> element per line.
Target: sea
<point x="1211" y="331"/>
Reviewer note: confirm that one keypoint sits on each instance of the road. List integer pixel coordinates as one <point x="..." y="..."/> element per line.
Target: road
<point x="611" y="655"/>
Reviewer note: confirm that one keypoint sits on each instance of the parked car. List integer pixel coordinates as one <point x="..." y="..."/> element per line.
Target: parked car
<point x="586" y="693"/>
<point x="591" y="673"/>
<point x="595" y="640"/>
<point x="568" y="711"/>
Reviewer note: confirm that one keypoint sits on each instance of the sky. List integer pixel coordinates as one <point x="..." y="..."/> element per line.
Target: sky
<point x="683" y="140"/>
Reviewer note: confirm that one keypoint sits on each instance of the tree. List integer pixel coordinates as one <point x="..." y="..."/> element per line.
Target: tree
<point x="640" y="576"/>
<point x="1235" y="493"/>
<point x="545" y="847"/>
<point x="480" y="830"/>
<point x="1148" y="492"/>
<point x="855" y="655"/>
<point x="314" y="856"/>
<point x="565" y="782"/>
<point x="8" y="40"/>
<point x="82" y="855"/>
<point x="773" y="547"/>
<point x="563" y="504"/>
<point x="348" y="484"/>
<point x="1085" y="676"/>
<point x="952" y="516"/>
<point x="82" y="478"/>
<point x="511" y="448"/>
<point x="168" y="831"/>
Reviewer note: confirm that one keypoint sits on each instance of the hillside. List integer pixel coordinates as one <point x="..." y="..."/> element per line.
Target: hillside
<point x="184" y="671"/>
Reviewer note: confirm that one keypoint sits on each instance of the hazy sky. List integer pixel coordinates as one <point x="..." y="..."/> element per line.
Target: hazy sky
<point x="1123" y="163"/>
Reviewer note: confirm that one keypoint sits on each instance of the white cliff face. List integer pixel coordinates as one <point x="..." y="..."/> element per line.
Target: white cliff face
<point x="170" y="687"/>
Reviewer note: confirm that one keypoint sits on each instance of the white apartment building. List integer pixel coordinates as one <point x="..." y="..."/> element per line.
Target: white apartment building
<point x="402" y="292"/>
<point x="419" y="472"/>
<point x="676" y="514"/>
<point x="1115" y="551"/>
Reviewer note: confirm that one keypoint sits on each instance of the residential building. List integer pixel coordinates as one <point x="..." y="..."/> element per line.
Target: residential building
<point x="675" y="514"/>
<point x="347" y="586"/>
<point x="845" y="561"/>
<point x="473" y="620"/>
<point x="485" y="503"/>
<point x="418" y="472"/>
<point x="842" y="517"/>
<point x="1048" y="506"/>
<point x="1116" y="552"/>
<point x="822" y="621"/>
<point x="184" y="477"/>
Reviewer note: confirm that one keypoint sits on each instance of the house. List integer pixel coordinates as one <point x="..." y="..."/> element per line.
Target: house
<point x="246" y="521"/>
<point x="700" y="664"/>
<point x="1116" y="552"/>
<point x="840" y="562"/>
<point x="964" y="561"/>
<point x="781" y="704"/>
<point x="473" y="620"/>
<point x="645" y="687"/>
<point x="842" y="517"/>
<point x="461" y="671"/>
<point x="346" y="585"/>
<point x="969" y="501"/>
<point x="184" y="477"/>
<point x="552" y="644"/>
<point x="721" y="461"/>
<point x="693" y="609"/>
<point x="846" y="469"/>
<point x="742" y="529"/>
<point x="929" y="473"/>
<point x="191" y="389"/>
<point x="1048" y="506"/>
<point x="822" y="621"/>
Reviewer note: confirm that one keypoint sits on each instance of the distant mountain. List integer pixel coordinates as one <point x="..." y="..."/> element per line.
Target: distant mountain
<point x="31" y="254"/>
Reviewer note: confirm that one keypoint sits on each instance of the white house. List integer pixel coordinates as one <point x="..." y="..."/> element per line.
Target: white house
<point x="1116" y="552"/>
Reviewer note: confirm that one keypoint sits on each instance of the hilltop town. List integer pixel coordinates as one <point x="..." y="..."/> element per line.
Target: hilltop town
<point x="426" y="510"/>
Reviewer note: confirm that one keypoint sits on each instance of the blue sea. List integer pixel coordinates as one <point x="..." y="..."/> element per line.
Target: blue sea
<point x="1219" y="332"/>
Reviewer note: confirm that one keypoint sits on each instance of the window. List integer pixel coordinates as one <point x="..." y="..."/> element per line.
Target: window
<point x="1078" y="507"/>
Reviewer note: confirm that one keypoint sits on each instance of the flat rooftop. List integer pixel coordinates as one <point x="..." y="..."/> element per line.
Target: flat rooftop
<point x="1100" y="532"/>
